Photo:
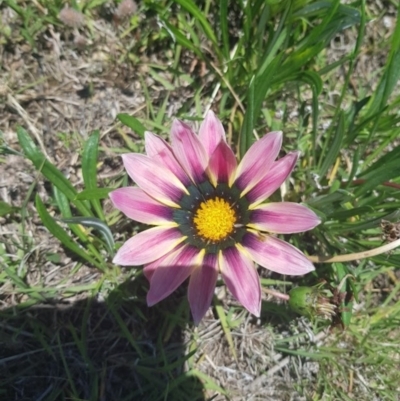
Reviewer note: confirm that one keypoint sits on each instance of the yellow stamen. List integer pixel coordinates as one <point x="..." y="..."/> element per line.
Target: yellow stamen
<point x="215" y="219"/>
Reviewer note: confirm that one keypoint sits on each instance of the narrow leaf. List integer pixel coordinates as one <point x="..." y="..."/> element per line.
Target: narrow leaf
<point x="97" y="193"/>
<point x="60" y="233"/>
<point x="334" y="148"/>
<point x="180" y="38"/>
<point x="89" y="161"/>
<point x="385" y="172"/>
<point x="89" y="168"/>
<point x="5" y="208"/>
<point x="191" y="7"/>
<point x="390" y="76"/>
<point x="97" y="224"/>
<point x="55" y="176"/>
<point x="225" y="327"/>
<point x="133" y="123"/>
<point x="246" y="134"/>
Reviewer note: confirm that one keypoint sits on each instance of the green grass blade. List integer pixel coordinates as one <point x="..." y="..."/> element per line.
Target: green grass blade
<point x="385" y="172"/>
<point x="276" y="45"/>
<point x="223" y="18"/>
<point x="89" y="160"/>
<point x="191" y="7"/>
<point x="61" y="234"/>
<point x="389" y="157"/>
<point x="264" y="81"/>
<point x="71" y="381"/>
<point x="5" y="208"/>
<point x="65" y="209"/>
<point x="97" y="193"/>
<point x="89" y="168"/>
<point x="133" y="123"/>
<point x="55" y="176"/>
<point x="20" y="284"/>
<point x="180" y="38"/>
<point x="225" y="327"/>
<point x="246" y="133"/>
<point x="97" y="224"/>
<point x="390" y="76"/>
<point x="334" y="147"/>
<point x="209" y="384"/>
<point x="124" y="329"/>
<point x="160" y="118"/>
<point x="82" y="234"/>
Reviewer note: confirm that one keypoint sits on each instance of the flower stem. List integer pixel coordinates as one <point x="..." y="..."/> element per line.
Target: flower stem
<point x="276" y="294"/>
<point x="354" y="256"/>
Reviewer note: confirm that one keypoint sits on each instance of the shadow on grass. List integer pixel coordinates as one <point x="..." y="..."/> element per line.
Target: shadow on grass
<point x="116" y="349"/>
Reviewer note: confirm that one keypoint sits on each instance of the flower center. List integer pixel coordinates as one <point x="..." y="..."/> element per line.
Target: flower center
<point x="215" y="219"/>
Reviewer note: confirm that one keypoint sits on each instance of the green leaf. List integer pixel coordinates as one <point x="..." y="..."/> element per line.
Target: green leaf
<point x="55" y="176"/>
<point x="347" y="288"/>
<point x="223" y="6"/>
<point x="246" y="134"/>
<point x="20" y="283"/>
<point x="264" y="81"/>
<point x="83" y="236"/>
<point x="89" y="161"/>
<point x="382" y="162"/>
<point x="89" y="168"/>
<point x="62" y="203"/>
<point x="5" y="208"/>
<point x="180" y="38"/>
<point x="329" y="203"/>
<point x="61" y="234"/>
<point x="391" y="75"/>
<point x="311" y="78"/>
<point x="161" y="79"/>
<point x="133" y="123"/>
<point x="385" y="172"/>
<point x="208" y="382"/>
<point x="271" y="53"/>
<point x="199" y="16"/>
<point x="124" y="329"/>
<point x="97" y="224"/>
<point x="97" y="193"/>
<point x="225" y="326"/>
<point x="334" y="147"/>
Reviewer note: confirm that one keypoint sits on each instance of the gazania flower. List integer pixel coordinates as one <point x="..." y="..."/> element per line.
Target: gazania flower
<point x="209" y="215"/>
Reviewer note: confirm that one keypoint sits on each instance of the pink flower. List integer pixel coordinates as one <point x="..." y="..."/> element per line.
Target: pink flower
<point x="209" y="215"/>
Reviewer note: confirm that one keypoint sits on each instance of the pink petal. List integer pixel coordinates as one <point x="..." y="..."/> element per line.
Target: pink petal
<point x="139" y="206"/>
<point x="148" y="246"/>
<point x="241" y="278"/>
<point x="222" y="164"/>
<point x="155" y="179"/>
<point x="257" y="161"/>
<point x="283" y="218"/>
<point x="201" y="287"/>
<point x="273" y="178"/>
<point x="154" y="144"/>
<point x="172" y="272"/>
<point x="276" y="255"/>
<point x="211" y="132"/>
<point x="149" y="270"/>
<point x="189" y="151"/>
<point x="158" y="149"/>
